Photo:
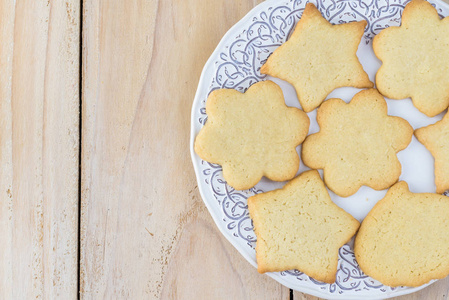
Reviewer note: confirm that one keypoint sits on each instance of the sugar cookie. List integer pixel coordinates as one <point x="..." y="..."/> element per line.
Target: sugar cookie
<point x="299" y="227"/>
<point x="252" y="134"/>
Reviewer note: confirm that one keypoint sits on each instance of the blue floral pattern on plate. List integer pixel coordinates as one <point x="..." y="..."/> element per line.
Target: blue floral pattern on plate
<point x="237" y="66"/>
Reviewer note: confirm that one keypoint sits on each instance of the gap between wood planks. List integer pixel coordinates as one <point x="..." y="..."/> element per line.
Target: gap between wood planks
<point x="80" y="95"/>
<point x="81" y="73"/>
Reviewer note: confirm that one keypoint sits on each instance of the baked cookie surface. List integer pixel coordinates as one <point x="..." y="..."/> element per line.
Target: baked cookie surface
<point x="299" y="227"/>
<point x="404" y="240"/>
<point x="435" y="138"/>
<point x="357" y="143"/>
<point x="318" y="58"/>
<point x="415" y="58"/>
<point x="252" y="134"/>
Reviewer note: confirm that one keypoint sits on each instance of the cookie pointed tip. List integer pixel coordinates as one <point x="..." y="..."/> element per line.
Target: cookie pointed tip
<point x="400" y="185"/>
<point x="442" y="189"/>
<point x="310" y="5"/>
<point x="363" y="22"/>
<point x="311" y="9"/>
<point x="261" y="269"/>
<point x="329" y="280"/>
<point x="329" y="277"/>
<point x="264" y="69"/>
<point x="307" y="108"/>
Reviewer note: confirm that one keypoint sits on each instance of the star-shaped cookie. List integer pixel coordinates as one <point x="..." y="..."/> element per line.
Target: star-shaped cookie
<point x="357" y="143"/>
<point x="415" y="58"/>
<point x="299" y="227"/>
<point x="318" y="58"/>
<point x="252" y="134"/>
<point x="436" y="139"/>
<point x="404" y="239"/>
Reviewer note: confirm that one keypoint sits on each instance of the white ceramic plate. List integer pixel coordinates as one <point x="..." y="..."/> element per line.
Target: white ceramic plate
<point x="235" y="64"/>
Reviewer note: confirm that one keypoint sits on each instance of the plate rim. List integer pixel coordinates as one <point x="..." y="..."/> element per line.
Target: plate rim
<point x="195" y="158"/>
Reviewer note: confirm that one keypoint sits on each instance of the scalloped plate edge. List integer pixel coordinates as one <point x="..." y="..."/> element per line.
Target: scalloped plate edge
<point x="206" y="73"/>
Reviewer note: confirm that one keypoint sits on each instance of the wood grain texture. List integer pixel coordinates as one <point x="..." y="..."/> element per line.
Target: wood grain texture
<point x="39" y="148"/>
<point x="302" y="296"/>
<point x="145" y="231"/>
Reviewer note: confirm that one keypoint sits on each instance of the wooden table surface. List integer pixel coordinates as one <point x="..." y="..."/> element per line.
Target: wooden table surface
<point x="98" y="196"/>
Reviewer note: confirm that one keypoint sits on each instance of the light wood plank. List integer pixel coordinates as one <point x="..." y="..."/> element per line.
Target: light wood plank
<point x="39" y="137"/>
<point x="204" y="265"/>
<point x="302" y="296"/>
<point x="145" y="231"/>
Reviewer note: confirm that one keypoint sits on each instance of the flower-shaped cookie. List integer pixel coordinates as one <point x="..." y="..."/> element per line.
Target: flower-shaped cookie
<point x="318" y="58"/>
<point x="415" y="58"/>
<point x="357" y="143"/>
<point x="299" y="227"/>
<point x="436" y="139"/>
<point x="252" y="135"/>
